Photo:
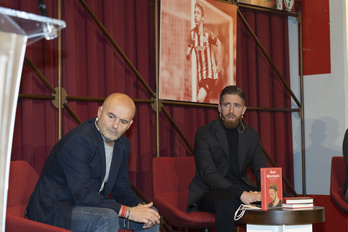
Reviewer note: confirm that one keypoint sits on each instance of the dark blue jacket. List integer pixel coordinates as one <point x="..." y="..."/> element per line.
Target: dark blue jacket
<point x="73" y="174"/>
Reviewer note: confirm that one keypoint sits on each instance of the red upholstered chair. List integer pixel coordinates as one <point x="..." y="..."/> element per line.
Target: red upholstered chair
<point x="22" y="181"/>
<point x="338" y="174"/>
<point x="171" y="179"/>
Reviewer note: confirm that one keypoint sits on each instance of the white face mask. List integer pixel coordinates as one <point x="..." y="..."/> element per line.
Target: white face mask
<point x="241" y="210"/>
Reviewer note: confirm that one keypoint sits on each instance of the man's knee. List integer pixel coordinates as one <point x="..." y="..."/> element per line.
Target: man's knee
<point x="108" y="214"/>
<point x="227" y="202"/>
<point x="94" y="219"/>
<point x="108" y="219"/>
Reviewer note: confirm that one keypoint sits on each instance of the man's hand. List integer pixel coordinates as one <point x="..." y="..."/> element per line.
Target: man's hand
<point x="144" y="214"/>
<point x="248" y="197"/>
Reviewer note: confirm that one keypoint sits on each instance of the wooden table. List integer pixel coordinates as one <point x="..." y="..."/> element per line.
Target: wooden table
<point x="282" y="220"/>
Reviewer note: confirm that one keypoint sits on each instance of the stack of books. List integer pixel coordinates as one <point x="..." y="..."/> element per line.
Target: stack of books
<point x="298" y="202"/>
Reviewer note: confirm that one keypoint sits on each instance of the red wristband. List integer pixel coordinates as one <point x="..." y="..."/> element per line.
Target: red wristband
<point x="123" y="211"/>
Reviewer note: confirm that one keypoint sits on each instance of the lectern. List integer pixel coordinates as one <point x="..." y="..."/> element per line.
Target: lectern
<point x="17" y="30"/>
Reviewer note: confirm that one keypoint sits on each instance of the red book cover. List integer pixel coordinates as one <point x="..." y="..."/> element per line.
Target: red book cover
<point x="271" y="188"/>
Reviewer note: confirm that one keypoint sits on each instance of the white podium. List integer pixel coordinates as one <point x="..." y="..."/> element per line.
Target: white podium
<point x="17" y="30"/>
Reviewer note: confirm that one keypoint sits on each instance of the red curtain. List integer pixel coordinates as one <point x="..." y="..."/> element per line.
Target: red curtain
<point x="263" y="87"/>
<point x="91" y="67"/>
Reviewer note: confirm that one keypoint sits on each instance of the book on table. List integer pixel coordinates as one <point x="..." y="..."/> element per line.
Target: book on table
<point x="298" y="206"/>
<point x="294" y="200"/>
<point x="271" y="188"/>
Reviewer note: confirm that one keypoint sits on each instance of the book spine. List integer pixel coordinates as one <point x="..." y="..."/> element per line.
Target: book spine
<point x="294" y="206"/>
<point x="298" y="201"/>
<point x="263" y="189"/>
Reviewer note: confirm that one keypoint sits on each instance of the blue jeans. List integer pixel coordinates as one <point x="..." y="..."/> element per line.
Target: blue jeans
<point x="96" y="219"/>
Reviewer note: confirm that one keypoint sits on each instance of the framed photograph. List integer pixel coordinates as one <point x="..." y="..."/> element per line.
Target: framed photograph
<point x="197" y="49"/>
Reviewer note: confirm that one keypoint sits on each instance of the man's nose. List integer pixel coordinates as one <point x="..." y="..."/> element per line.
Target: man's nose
<point x="231" y="109"/>
<point x="116" y="123"/>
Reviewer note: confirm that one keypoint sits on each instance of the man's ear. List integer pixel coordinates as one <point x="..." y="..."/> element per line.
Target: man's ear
<point x="219" y="108"/>
<point x="130" y="123"/>
<point x="100" y="109"/>
<point x="244" y="109"/>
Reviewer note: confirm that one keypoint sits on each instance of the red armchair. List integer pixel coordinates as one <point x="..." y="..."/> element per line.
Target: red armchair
<point x="22" y="181"/>
<point x="338" y="174"/>
<point x="171" y="179"/>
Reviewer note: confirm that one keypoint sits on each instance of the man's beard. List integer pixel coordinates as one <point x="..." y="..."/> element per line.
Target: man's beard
<point x="230" y="124"/>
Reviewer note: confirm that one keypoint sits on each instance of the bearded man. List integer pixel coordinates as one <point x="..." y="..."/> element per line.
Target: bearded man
<point x="223" y="150"/>
<point x="273" y="193"/>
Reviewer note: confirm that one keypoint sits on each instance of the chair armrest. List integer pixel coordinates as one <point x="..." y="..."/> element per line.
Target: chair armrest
<point x="181" y="218"/>
<point x="338" y="199"/>
<point x="15" y="224"/>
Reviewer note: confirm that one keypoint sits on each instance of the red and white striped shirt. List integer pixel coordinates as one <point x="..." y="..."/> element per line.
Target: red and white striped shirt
<point x="204" y="56"/>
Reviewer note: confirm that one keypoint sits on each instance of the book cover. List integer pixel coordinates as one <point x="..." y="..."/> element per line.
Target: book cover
<point x="294" y="200"/>
<point x="271" y="188"/>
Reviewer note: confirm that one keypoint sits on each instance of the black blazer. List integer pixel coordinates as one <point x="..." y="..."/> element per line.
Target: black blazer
<point x="212" y="162"/>
<point x="73" y="174"/>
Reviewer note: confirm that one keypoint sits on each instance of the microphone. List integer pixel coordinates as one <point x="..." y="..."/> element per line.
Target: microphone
<point x="42" y="7"/>
<point x="49" y="30"/>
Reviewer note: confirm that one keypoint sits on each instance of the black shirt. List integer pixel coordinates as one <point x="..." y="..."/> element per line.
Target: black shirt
<point x="233" y="173"/>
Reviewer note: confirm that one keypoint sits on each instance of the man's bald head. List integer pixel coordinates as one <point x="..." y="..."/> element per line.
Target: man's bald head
<point x="120" y="99"/>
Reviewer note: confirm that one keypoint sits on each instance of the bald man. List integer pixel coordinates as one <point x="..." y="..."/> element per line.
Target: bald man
<point x="83" y="168"/>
